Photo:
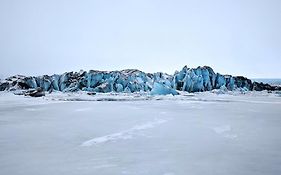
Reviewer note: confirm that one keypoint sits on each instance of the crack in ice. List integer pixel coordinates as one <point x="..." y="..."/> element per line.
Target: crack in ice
<point x="123" y="135"/>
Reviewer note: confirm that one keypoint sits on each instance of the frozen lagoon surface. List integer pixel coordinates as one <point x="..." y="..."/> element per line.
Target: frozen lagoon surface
<point x="196" y="134"/>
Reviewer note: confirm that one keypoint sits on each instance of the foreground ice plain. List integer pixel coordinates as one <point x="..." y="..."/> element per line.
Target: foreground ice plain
<point x="201" y="133"/>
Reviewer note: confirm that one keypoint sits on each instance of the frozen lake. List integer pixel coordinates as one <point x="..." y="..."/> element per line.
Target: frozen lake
<point x="200" y="134"/>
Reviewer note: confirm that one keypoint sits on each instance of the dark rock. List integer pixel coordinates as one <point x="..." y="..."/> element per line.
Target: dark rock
<point x="242" y="82"/>
<point x="91" y="93"/>
<point x="261" y="86"/>
<point x="104" y="88"/>
<point x="38" y="92"/>
<point x="23" y="85"/>
<point x="4" y="86"/>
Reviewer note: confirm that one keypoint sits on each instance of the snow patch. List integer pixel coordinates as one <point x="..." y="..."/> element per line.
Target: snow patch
<point x="104" y="166"/>
<point x="169" y="173"/>
<point x="222" y="129"/>
<point x="225" y="131"/>
<point x="82" y="109"/>
<point x="33" y="109"/>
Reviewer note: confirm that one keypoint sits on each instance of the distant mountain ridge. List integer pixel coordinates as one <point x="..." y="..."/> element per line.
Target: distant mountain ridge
<point x="132" y="80"/>
<point x="271" y="81"/>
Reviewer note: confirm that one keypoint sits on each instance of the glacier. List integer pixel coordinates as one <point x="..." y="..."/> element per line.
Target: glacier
<point x="132" y="80"/>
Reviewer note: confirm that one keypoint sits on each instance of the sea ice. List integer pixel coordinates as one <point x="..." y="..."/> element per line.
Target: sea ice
<point x="138" y="134"/>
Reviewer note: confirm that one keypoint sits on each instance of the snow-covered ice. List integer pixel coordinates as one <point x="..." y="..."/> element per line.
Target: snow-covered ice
<point x="106" y="134"/>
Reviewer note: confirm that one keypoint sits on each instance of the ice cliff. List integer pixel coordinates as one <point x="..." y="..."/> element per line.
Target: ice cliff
<point x="131" y="80"/>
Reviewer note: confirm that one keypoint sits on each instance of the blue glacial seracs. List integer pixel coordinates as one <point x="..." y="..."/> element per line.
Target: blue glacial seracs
<point x="160" y="88"/>
<point x="131" y="80"/>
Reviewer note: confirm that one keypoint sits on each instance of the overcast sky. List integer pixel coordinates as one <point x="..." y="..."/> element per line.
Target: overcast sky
<point x="239" y="37"/>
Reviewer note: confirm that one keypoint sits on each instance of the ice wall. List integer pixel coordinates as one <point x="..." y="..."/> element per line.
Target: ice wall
<point x="131" y="80"/>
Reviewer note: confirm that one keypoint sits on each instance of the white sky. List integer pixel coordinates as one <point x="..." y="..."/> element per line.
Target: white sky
<point x="239" y="37"/>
